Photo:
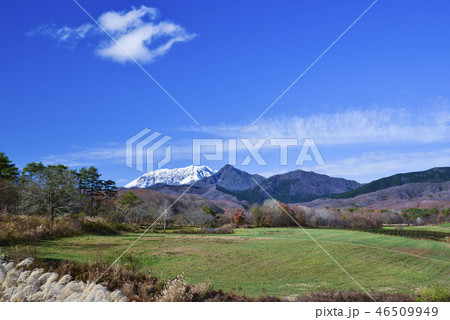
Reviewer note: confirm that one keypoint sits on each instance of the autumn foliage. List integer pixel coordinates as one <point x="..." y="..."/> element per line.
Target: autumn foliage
<point x="238" y="216"/>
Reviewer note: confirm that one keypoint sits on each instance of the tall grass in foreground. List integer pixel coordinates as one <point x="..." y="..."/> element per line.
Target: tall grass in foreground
<point x="20" y="285"/>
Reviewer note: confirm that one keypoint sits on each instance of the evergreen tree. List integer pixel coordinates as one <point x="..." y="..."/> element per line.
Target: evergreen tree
<point x="109" y="188"/>
<point x="129" y="200"/>
<point x="8" y="184"/>
<point x="8" y="170"/>
<point x="31" y="169"/>
<point x="209" y="210"/>
<point x="90" y="184"/>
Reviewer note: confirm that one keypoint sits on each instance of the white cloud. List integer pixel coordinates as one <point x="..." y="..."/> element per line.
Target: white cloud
<point x="136" y="32"/>
<point x="113" y="21"/>
<point x="64" y="34"/>
<point x="409" y="141"/>
<point x="137" y="42"/>
<point x="370" y="165"/>
<point x="89" y="156"/>
<point x="352" y="126"/>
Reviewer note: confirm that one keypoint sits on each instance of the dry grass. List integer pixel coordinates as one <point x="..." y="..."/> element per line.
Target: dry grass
<point x="17" y="284"/>
<point x="21" y="228"/>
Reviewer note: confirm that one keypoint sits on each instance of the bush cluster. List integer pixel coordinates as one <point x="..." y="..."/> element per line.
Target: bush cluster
<point x="21" y="228"/>
<point x="422" y="234"/>
<point x="434" y="294"/>
<point x="275" y="214"/>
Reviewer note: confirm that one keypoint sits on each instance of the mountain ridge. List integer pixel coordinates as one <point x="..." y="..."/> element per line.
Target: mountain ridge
<point x="419" y="194"/>
<point x="231" y="178"/>
<point x="437" y="174"/>
<point x="294" y="186"/>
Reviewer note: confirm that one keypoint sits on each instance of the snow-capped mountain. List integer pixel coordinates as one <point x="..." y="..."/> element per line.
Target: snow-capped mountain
<point x="175" y="177"/>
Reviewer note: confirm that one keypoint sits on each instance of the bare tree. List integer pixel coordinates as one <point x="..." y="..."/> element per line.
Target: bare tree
<point x="166" y="212"/>
<point x="52" y="191"/>
<point x="195" y="218"/>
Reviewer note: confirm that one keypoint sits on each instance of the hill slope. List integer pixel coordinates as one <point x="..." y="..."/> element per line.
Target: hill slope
<point x="410" y="195"/>
<point x="295" y="186"/>
<point x="432" y="175"/>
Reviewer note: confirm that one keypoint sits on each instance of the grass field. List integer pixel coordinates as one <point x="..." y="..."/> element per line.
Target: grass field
<point x="276" y="261"/>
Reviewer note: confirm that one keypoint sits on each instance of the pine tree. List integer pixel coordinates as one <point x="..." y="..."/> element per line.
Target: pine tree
<point x="30" y="170"/>
<point x="8" y="170"/>
<point x="90" y="184"/>
<point x="109" y="188"/>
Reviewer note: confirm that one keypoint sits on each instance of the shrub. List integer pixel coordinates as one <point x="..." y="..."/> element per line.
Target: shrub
<point x="255" y="213"/>
<point x="273" y="214"/>
<point x="276" y="214"/>
<point x="434" y="294"/>
<point x="176" y="290"/>
<point x="238" y="216"/>
<point x="424" y="234"/>
<point x="445" y="212"/>
<point x="21" y="228"/>
<point x="225" y="229"/>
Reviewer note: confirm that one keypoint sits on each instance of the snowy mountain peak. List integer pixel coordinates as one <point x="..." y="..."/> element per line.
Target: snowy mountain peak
<point x="176" y="177"/>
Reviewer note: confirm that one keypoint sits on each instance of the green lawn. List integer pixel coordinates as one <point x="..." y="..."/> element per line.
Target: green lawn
<point x="276" y="261"/>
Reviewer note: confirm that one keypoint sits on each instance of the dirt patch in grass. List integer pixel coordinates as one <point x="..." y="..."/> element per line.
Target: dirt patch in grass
<point x="210" y="239"/>
<point x="199" y="238"/>
<point x="283" y="232"/>
<point x="183" y="251"/>
<point x="301" y="285"/>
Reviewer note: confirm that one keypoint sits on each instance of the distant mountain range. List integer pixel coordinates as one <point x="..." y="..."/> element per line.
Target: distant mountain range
<point x="174" y="177"/>
<point x="232" y="184"/>
<point x="433" y="175"/>
<point x="410" y="195"/>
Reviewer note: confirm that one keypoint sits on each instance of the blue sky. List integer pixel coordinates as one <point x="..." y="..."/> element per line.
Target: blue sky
<point x="377" y="103"/>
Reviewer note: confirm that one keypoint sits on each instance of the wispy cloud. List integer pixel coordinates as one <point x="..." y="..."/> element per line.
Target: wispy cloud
<point x="64" y="35"/>
<point x="112" y="154"/>
<point x="352" y="126"/>
<point x="399" y="136"/>
<point x="89" y="157"/>
<point x="136" y="31"/>
<point x="374" y="165"/>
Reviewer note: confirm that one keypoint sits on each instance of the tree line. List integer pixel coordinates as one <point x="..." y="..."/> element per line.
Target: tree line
<point x="56" y="190"/>
<point x="53" y="190"/>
